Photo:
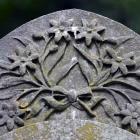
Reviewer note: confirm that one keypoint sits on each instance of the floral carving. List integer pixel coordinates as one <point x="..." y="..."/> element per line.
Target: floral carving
<point x="9" y="116"/>
<point x="91" y="31"/>
<point x="131" y="116"/>
<point x="23" y="59"/>
<point x="60" y="29"/>
<point x="118" y="62"/>
<point x="104" y="70"/>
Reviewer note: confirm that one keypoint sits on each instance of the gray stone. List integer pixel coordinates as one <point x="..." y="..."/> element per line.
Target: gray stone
<point x="69" y="130"/>
<point x="70" y="64"/>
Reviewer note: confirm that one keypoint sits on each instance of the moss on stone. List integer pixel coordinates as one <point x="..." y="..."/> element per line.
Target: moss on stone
<point x="86" y="132"/>
<point x="29" y="132"/>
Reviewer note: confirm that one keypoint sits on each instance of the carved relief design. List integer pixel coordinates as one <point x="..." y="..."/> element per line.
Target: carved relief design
<point x="10" y="116"/>
<point x="103" y="70"/>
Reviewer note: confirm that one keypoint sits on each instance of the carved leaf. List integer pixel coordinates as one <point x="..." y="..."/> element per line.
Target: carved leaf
<point x="137" y="60"/>
<point x="19" y="121"/>
<point x="11" y="82"/>
<point x="51" y="49"/>
<point x="103" y="76"/>
<point x="10" y="124"/>
<point x="126" y="120"/>
<point x="3" y="118"/>
<point x="64" y="70"/>
<point x="24" y="41"/>
<point x="117" y="40"/>
<point x="40" y="76"/>
<point x="92" y="59"/>
<point x="134" y="125"/>
<point x="4" y="65"/>
<point x="114" y="67"/>
<point x="34" y="110"/>
<point x="58" y="57"/>
<point x="109" y="110"/>
<point x="87" y="71"/>
<point x="32" y="47"/>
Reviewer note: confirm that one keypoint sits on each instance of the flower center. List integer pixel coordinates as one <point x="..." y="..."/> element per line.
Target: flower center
<point x="119" y="59"/>
<point x="11" y="113"/>
<point x="62" y="28"/>
<point x="23" y="60"/>
<point x="135" y="115"/>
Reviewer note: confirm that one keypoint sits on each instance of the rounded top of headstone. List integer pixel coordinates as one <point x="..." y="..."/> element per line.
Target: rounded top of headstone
<point x="70" y="64"/>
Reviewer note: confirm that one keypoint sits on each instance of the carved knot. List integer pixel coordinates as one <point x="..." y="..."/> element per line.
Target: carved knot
<point x="72" y="96"/>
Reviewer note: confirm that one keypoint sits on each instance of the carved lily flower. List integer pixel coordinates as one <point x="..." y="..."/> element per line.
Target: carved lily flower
<point x="10" y="116"/>
<point x="91" y="31"/>
<point x="60" y="29"/>
<point x="23" y="59"/>
<point x="119" y="62"/>
<point x="131" y="116"/>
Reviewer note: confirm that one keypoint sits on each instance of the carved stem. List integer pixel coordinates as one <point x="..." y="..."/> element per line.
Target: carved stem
<point x="108" y="89"/>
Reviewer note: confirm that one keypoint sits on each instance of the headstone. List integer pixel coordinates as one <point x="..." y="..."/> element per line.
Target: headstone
<point x="70" y="75"/>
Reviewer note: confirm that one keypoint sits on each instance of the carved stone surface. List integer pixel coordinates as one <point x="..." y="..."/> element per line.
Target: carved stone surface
<point x="70" y="64"/>
<point x="69" y="130"/>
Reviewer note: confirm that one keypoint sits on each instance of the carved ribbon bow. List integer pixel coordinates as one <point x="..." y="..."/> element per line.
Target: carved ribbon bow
<point x="82" y="100"/>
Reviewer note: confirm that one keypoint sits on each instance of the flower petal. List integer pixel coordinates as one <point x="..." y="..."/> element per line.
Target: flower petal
<point x="125" y="112"/>
<point x="134" y="125"/>
<point x="138" y="108"/>
<point x="85" y="23"/>
<point x="138" y="104"/>
<point x="96" y="36"/>
<point x="126" y="120"/>
<point x="22" y="69"/>
<point x="100" y="29"/>
<point x="123" y="68"/>
<point x="114" y="67"/>
<point x="66" y="36"/>
<point x="3" y="118"/>
<point x="138" y="120"/>
<point x="13" y="57"/>
<point x="10" y="124"/>
<point x="81" y="35"/>
<point x="31" y="65"/>
<point x="14" y="65"/>
<point x="54" y="23"/>
<point x="129" y="62"/>
<point x="94" y="23"/>
<point x="111" y="52"/>
<point x="70" y="22"/>
<point x="20" y="51"/>
<point x="138" y="132"/>
<point x="13" y="107"/>
<point x="130" y="107"/>
<point x="34" y="56"/>
<point x="54" y="48"/>
<point x="52" y="30"/>
<point x="57" y="36"/>
<point x="107" y="61"/>
<point x="5" y="107"/>
<point x="19" y="121"/>
<point x="66" y="23"/>
<point x="88" y="40"/>
<point x="129" y="55"/>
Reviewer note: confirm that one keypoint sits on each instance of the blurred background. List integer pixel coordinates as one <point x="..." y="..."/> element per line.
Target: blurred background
<point x="14" y="13"/>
